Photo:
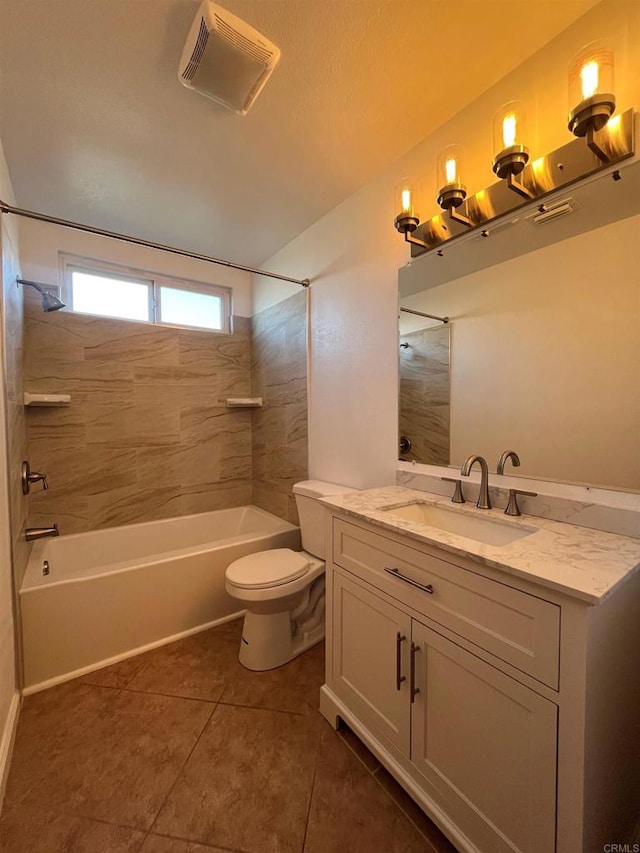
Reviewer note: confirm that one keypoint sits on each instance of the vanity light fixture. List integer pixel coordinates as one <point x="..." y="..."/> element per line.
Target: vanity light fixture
<point x="452" y="192"/>
<point x="611" y="138"/>
<point x="591" y="98"/>
<point x="509" y="131"/>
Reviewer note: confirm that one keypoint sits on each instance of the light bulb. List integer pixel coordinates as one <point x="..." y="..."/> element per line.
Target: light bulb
<point x="406" y="203"/>
<point x="592" y="101"/>
<point x="589" y="78"/>
<point x="509" y="130"/>
<point x="450" y="170"/>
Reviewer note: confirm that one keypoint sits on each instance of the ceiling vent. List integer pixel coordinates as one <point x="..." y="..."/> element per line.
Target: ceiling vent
<point x="225" y="59"/>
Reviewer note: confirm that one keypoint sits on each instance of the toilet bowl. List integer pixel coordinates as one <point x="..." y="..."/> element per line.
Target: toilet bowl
<point x="282" y="590"/>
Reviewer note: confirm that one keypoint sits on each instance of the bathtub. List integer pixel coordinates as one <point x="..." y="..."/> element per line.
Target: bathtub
<point x="91" y="599"/>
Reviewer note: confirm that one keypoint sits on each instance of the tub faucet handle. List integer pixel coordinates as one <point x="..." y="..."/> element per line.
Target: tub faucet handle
<point x="29" y="477"/>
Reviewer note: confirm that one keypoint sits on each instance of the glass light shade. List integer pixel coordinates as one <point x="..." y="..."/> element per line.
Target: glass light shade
<point x="405" y="194"/>
<point x="510" y="126"/>
<point x="591" y="87"/>
<point x="451" y="190"/>
<point x="407" y="218"/>
<point x="509" y="139"/>
<point x="450" y="165"/>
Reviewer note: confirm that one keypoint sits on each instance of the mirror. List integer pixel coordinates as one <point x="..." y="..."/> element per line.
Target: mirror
<point x="424" y="391"/>
<point x="544" y="343"/>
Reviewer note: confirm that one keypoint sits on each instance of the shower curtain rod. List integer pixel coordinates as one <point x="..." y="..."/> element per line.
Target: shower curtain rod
<point x="125" y="238"/>
<point x="422" y="314"/>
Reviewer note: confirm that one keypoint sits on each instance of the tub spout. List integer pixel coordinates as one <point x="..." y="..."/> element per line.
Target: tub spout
<point x="32" y="533"/>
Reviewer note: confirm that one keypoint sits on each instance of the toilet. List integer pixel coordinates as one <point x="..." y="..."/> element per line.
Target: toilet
<point x="283" y="590"/>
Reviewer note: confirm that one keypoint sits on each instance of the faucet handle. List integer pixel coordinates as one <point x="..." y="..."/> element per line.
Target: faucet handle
<point x="28" y="477"/>
<point x="512" y="505"/>
<point x="458" y="497"/>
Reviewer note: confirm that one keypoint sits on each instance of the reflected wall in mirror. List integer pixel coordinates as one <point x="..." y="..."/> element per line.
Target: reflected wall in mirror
<point x="545" y="355"/>
<point x="424" y="391"/>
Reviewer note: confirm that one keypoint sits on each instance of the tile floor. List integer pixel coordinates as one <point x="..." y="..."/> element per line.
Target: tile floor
<point x="182" y="750"/>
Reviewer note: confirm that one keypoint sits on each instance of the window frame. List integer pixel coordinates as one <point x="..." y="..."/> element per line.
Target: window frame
<point x="68" y="264"/>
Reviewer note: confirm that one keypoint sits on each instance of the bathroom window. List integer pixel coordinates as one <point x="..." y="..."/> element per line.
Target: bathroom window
<point x="124" y="293"/>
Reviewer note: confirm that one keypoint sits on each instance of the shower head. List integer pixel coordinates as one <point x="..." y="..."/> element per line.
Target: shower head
<point x="50" y="301"/>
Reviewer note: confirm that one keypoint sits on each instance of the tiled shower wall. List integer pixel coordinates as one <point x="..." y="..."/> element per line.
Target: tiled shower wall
<point x="279" y="375"/>
<point x="424" y="395"/>
<point x="13" y="331"/>
<point x="147" y="434"/>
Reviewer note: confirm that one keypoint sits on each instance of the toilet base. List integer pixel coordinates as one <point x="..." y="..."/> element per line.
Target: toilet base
<point x="267" y="640"/>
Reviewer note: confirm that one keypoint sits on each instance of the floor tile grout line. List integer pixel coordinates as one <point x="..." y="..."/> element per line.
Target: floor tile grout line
<point x="259" y="708"/>
<point x="402" y="811"/>
<point x="313" y="785"/>
<point x="374" y="772"/>
<point x="199" y="843"/>
<point x="62" y="811"/>
<point x="184" y="764"/>
<point x="169" y="695"/>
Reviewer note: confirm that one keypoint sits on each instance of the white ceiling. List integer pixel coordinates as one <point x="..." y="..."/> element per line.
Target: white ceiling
<point x="97" y="128"/>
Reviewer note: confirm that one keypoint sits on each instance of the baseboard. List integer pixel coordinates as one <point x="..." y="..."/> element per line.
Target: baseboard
<point x="7" y="741"/>
<point x="130" y="653"/>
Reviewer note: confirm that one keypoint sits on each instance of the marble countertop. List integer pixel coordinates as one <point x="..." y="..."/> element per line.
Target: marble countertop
<point x="578" y="561"/>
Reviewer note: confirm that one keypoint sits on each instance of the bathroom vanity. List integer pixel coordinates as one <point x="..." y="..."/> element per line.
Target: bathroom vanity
<point x="494" y="671"/>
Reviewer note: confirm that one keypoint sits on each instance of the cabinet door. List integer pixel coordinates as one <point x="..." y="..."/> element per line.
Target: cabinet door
<point x="487" y="746"/>
<point x="371" y="660"/>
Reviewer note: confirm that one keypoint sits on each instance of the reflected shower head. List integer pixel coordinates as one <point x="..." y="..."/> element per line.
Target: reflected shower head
<point x="50" y="301"/>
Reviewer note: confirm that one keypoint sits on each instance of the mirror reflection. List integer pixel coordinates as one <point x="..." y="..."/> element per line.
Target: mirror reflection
<point x="424" y="390"/>
<point x="545" y="349"/>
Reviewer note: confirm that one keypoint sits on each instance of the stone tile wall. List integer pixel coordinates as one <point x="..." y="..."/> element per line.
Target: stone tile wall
<point x="279" y="375"/>
<point x="13" y="333"/>
<point x="147" y="434"/>
<point x="424" y="395"/>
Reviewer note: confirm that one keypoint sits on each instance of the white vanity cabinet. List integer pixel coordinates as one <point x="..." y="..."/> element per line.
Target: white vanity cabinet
<point x="453" y="674"/>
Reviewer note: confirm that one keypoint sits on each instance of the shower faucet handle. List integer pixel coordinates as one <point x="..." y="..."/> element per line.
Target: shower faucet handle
<point x="29" y="477"/>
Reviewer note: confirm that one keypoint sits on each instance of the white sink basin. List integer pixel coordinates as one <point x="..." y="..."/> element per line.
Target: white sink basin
<point x="487" y="530"/>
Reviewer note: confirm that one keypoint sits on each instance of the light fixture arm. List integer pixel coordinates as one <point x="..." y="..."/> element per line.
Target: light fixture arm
<point x="514" y="184"/>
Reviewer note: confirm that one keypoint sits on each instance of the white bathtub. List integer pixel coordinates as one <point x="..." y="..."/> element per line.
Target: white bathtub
<point x="113" y="593"/>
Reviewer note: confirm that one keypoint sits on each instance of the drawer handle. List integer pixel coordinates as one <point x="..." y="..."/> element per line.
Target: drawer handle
<point x="400" y="638"/>
<point x="412" y="672"/>
<point x="425" y="587"/>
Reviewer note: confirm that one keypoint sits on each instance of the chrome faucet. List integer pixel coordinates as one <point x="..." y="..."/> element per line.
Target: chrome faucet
<point x="483" y="498"/>
<point x="504" y="458"/>
<point x="32" y="533"/>
<point x="512" y="507"/>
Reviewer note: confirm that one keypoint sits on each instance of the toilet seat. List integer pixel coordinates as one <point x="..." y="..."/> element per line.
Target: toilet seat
<point x="266" y="569"/>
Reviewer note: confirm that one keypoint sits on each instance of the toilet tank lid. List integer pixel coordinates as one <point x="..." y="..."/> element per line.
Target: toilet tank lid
<point x="320" y="489"/>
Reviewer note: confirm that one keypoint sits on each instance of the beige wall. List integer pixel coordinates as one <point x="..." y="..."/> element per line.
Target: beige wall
<point x="352" y="254"/>
<point x="12" y="436"/>
<point x="279" y="375"/>
<point x="40" y="244"/>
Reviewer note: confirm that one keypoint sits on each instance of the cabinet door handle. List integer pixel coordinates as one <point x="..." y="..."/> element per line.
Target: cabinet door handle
<point x="425" y="587"/>
<point x="412" y="672"/>
<point x="400" y="638"/>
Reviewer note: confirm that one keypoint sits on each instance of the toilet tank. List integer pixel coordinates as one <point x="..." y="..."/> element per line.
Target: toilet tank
<point x="312" y="514"/>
